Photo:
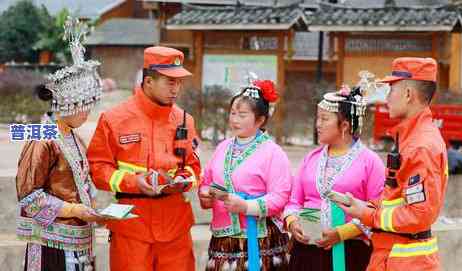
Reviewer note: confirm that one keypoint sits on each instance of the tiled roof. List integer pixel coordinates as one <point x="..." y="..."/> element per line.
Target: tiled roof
<point x="349" y="15"/>
<point x="125" y="32"/>
<point x="340" y="18"/>
<point x="236" y="18"/>
<point x="214" y="2"/>
<point x="398" y="3"/>
<point x="82" y="8"/>
<point x="268" y="3"/>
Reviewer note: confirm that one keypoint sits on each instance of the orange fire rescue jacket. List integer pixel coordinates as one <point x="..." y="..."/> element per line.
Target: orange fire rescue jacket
<point x="133" y="137"/>
<point x="413" y="206"/>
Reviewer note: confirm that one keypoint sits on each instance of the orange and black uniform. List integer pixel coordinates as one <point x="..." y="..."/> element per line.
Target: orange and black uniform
<point x="132" y="138"/>
<point x="410" y="203"/>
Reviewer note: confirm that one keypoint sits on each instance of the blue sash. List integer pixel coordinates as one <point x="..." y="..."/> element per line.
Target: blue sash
<point x="253" y="250"/>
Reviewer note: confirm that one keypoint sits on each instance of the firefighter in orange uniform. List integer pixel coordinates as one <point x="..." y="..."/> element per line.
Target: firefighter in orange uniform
<point x="139" y="145"/>
<point x="416" y="175"/>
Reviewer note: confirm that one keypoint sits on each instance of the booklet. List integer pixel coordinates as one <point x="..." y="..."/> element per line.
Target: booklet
<point x="117" y="211"/>
<point x="338" y="197"/>
<point x="218" y="191"/>
<point x="310" y="222"/>
<point x="171" y="181"/>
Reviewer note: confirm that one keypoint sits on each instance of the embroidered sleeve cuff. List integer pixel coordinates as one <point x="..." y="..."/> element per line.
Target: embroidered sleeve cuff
<point x="348" y="231"/>
<point x="41" y="206"/>
<point x="365" y="230"/>
<point x="262" y="206"/>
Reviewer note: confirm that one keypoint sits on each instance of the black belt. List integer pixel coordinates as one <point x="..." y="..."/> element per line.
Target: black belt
<point x="120" y="195"/>
<point x="414" y="236"/>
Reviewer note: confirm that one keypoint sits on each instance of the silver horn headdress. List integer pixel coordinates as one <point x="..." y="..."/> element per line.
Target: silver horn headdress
<point x="354" y="101"/>
<point x="76" y="88"/>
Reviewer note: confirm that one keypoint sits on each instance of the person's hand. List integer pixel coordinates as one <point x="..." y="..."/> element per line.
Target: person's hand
<point x="206" y="200"/>
<point x="297" y="232"/>
<point x="86" y="213"/>
<point x="173" y="188"/>
<point x="356" y="207"/>
<point x="144" y="186"/>
<point x="218" y="194"/>
<point x="330" y="237"/>
<point x="235" y="204"/>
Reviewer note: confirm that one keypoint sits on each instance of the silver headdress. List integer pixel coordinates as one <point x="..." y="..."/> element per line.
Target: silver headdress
<point x="356" y="99"/>
<point x="257" y="89"/>
<point x="251" y="90"/>
<point x="76" y="88"/>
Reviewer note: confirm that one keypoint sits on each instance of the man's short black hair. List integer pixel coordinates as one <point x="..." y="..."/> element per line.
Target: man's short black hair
<point x="151" y="73"/>
<point x="426" y="89"/>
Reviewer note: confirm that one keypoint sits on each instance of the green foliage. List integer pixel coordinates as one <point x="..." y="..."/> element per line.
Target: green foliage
<point x="52" y="38"/>
<point x="20" y="26"/>
<point x="25" y="30"/>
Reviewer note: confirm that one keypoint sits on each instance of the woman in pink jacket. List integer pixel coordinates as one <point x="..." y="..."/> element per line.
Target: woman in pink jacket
<point x="253" y="173"/>
<point x="341" y="164"/>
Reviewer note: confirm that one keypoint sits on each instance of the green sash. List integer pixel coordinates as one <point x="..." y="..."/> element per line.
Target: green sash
<point x="338" y="250"/>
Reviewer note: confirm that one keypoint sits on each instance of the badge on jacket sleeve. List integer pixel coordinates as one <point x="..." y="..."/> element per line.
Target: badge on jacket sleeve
<point x="131" y="138"/>
<point x="414" y="180"/>
<point x="415" y="194"/>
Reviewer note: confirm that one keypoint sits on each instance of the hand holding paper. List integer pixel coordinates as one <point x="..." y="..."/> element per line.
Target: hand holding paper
<point x="297" y="232"/>
<point x="310" y="224"/>
<point x="338" y="197"/>
<point x="355" y="207"/>
<point x="330" y="237"/>
<point x="117" y="211"/>
<point x="206" y="199"/>
<point x="172" y="186"/>
<point x="218" y="192"/>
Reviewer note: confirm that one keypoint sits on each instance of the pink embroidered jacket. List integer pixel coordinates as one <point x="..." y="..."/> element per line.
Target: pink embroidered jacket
<point x="364" y="178"/>
<point x="265" y="173"/>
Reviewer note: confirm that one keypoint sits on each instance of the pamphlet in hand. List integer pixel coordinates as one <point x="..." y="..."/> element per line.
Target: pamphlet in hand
<point x="338" y="197"/>
<point x="171" y="181"/>
<point x="311" y="224"/>
<point x="218" y="191"/>
<point x="117" y="211"/>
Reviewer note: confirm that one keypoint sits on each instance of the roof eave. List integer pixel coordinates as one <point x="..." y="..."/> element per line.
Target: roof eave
<point x="227" y="2"/>
<point x="110" y="7"/>
<point x="391" y="28"/>
<point x="119" y="44"/>
<point x="242" y="27"/>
